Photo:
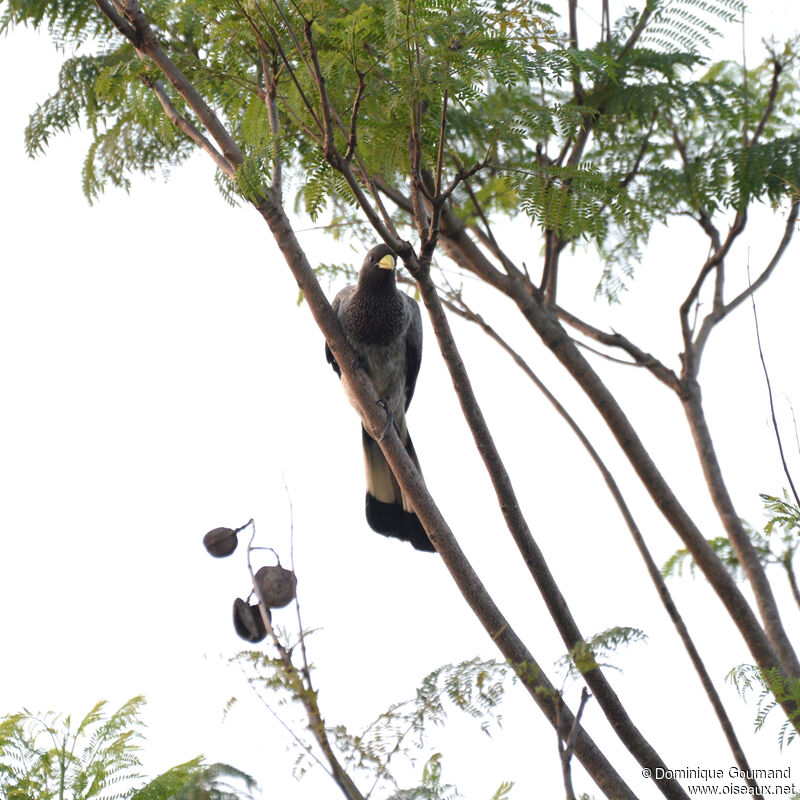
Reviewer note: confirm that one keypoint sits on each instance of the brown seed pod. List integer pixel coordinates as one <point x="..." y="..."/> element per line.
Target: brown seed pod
<point x="220" y="542"/>
<point x="247" y="621"/>
<point x="277" y="586"/>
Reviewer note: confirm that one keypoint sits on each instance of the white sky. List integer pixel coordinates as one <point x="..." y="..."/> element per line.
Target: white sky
<point x="159" y="380"/>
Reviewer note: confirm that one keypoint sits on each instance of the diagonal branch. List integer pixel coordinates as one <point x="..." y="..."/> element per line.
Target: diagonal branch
<point x="329" y="148"/>
<point x="362" y="395"/>
<point x="723" y="310"/>
<point x="458" y="306"/>
<point x="145" y="41"/>
<point x="639" y="356"/>
<point x="777" y="69"/>
<point x="184" y="125"/>
<point x="352" y="139"/>
<point x="716" y="261"/>
<point x="531" y="554"/>
<point x="566" y="747"/>
<point x="113" y="14"/>
<point x="284" y="58"/>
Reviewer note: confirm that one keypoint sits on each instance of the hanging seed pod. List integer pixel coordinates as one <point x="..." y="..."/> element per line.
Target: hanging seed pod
<point x="221" y="542"/>
<point x="277" y="586"/>
<point x="247" y="621"/>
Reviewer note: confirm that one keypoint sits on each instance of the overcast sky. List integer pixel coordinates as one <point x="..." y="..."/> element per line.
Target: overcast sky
<point x="160" y="379"/>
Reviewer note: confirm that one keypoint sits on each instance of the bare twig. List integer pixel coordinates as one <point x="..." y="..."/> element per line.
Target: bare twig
<point x="719" y="314"/>
<point x="517" y="525"/>
<point x="566" y="747"/>
<point x="352" y="138"/>
<point x="777" y="69"/>
<point x="767" y="380"/>
<point x="185" y="126"/>
<point x="303" y="690"/>
<point x="146" y="42"/>
<point x="457" y="304"/>
<point x="639" y="356"/>
<point x="577" y="89"/>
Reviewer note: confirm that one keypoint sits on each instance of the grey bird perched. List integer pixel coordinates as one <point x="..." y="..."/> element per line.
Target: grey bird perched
<point x="384" y="327"/>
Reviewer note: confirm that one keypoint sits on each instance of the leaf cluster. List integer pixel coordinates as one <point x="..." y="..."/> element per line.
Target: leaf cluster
<point x="196" y="780"/>
<point x="44" y="755"/>
<point x="475" y="687"/>
<point x="596" y="651"/>
<point x="662" y="135"/>
<point x="772" y="688"/>
<point x="777" y="544"/>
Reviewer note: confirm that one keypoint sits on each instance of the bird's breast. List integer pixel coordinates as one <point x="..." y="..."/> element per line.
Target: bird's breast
<point x="375" y="319"/>
<point x="386" y="367"/>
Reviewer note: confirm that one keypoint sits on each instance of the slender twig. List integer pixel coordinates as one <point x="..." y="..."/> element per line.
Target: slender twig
<point x="716" y="261"/>
<point x="787" y="565"/>
<point x="270" y="95"/>
<point x="146" y="42"/>
<point x="304" y="691"/>
<point x="717" y="316"/>
<point x="457" y="304"/>
<point x="577" y="89"/>
<point x="639" y="356"/>
<point x="518" y="527"/>
<point x="352" y="139"/>
<point x="566" y="747"/>
<point x="440" y="148"/>
<point x="744" y="76"/>
<point x="777" y="69"/>
<point x="288" y="728"/>
<point x="637" y="162"/>
<point x="284" y="58"/>
<point x="769" y="393"/>
<point x="291" y="31"/>
<point x="186" y="127"/>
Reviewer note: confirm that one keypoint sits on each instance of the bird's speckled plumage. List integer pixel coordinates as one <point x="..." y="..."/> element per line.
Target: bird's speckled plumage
<point x="384" y="327"/>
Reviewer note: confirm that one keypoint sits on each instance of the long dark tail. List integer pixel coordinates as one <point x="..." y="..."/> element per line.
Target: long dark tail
<point x="388" y="510"/>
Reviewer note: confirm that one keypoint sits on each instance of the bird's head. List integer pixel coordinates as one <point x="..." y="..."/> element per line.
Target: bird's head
<point x="378" y="267"/>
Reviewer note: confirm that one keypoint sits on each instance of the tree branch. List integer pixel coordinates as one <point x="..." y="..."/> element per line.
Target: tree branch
<point x="458" y="306"/>
<point x="577" y="89"/>
<point x="693" y="347"/>
<point x="777" y="69"/>
<point x="186" y="127"/>
<point x="639" y="356"/>
<point x="785" y="656"/>
<point x="361" y="393"/>
<point x="566" y="747"/>
<point x="352" y="139"/>
<point x="306" y="102"/>
<point x="555" y="338"/>
<point x="788" y="233"/>
<point x="145" y="41"/>
<point x="534" y="559"/>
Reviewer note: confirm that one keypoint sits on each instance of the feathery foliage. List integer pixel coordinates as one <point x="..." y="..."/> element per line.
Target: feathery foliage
<point x="777" y="545"/>
<point x="475" y="687"/>
<point x="506" y="68"/>
<point x="597" y="650"/>
<point x="44" y="756"/>
<point x="771" y="688"/>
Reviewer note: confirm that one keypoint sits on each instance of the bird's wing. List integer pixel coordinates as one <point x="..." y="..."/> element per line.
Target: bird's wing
<point x="341" y="299"/>
<point x="413" y="346"/>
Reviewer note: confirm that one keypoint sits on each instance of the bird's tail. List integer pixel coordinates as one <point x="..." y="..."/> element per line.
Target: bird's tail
<point x="388" y="510"/>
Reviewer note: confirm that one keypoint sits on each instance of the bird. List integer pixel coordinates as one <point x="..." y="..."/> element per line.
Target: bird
<point x="384" y="327"/>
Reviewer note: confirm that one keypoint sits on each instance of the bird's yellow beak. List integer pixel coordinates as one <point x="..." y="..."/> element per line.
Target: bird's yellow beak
<point x="387" y="262"/>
